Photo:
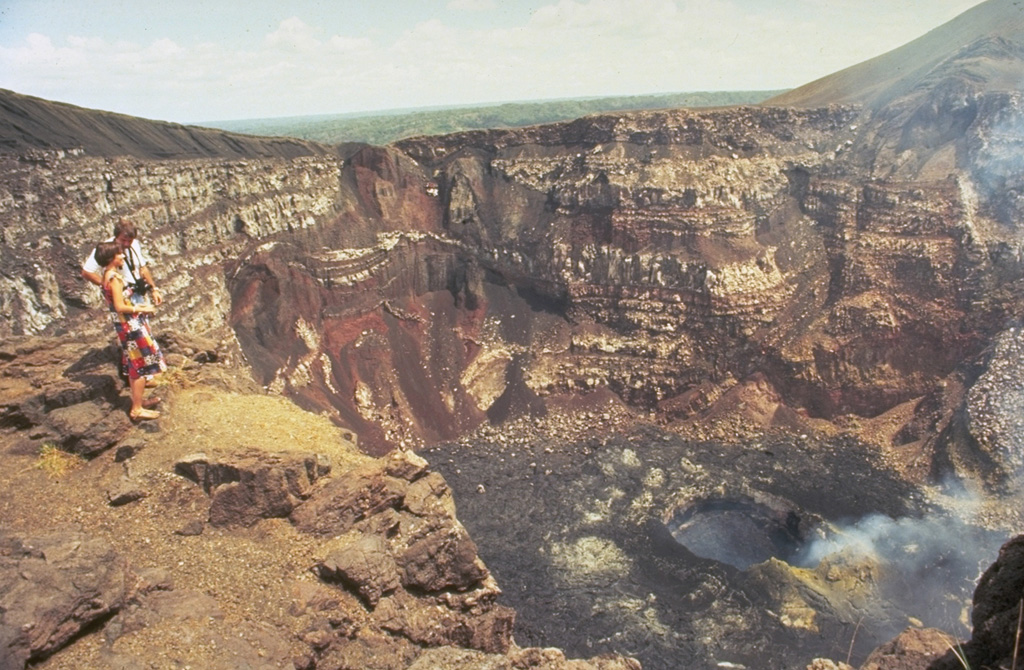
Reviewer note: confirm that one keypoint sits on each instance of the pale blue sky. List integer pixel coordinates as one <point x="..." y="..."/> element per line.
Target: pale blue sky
<point x="192" y="60"/>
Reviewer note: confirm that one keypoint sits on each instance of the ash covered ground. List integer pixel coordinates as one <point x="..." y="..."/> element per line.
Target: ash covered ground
<point x="579" y="534"/>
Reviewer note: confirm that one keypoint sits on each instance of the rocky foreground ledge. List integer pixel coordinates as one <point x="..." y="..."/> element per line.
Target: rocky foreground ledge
<point x="240" y="532"/>
<point x="237" y="531"/>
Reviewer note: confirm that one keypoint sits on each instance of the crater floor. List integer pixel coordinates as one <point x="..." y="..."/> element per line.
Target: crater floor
<point x="578" y="533"/>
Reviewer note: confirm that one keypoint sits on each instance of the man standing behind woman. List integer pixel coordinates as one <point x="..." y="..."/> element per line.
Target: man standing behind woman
<point x="136" y="265"/>
<point x="125" y="295"/>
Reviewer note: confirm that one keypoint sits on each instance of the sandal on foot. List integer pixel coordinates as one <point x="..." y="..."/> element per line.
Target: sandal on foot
<point x="143" y="414"/>
<point x="151" y="402"/>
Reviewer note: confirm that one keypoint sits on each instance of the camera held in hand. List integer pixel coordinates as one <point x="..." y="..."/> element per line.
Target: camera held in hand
<point x="141" y="287"/>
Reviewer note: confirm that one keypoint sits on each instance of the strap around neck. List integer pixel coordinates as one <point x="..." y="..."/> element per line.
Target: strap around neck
<point x="128" y="261"/>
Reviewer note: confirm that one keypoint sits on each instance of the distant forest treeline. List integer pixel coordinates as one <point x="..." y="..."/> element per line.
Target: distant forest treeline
<point x="386" y="127"/>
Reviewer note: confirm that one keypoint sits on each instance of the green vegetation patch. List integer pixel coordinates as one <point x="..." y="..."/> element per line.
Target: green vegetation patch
<point x="386" y="127"/>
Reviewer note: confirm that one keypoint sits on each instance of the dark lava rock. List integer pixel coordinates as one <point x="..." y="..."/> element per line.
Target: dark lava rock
<point x="346" y="499"/>
<point x="250" y="486"/>
<point x="126" y="492"/>
<point x="580" y="536"/>
<point x="126" y="452"/>
<point x="89" y="428"/>
<point x="52" y="588"/>
<point x="999" y="609"/>
<point x="398" y="546"/>
<point x="191" y="529"/>
<point x="364" y="562"/>
<point x="77" y="407"/>
<point x="426" y="624"/>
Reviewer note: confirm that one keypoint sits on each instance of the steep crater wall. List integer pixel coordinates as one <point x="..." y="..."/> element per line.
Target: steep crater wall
<point x="664" y="256"/>
<point x="415" y="292"/>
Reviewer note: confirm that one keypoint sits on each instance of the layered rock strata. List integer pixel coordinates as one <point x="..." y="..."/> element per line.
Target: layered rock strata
<point x="666" y="256"/>
<point x="193" y="216"/>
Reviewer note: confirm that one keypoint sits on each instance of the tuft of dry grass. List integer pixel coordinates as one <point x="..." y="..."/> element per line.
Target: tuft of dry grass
<point x="56" y="462"/>
<point x="176" y="377"/>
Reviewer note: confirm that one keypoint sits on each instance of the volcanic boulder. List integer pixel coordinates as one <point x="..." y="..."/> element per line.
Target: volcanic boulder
<point x="52" y="588"/>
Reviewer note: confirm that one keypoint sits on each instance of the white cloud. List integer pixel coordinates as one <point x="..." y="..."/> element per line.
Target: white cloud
<point x="39" y="52"/>
<point x="350" y="44"/>
<point x="635" y="19"/>
<point x="565" y="48"/>
<point x="164" y="48"/>
<point x="470" y="5"/>
<point x="84" y="43"/>
<point x="293" y="34"/>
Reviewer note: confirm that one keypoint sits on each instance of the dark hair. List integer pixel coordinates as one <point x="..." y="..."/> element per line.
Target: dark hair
<point x="126" y="227"/>
<point x="105" y="252"/>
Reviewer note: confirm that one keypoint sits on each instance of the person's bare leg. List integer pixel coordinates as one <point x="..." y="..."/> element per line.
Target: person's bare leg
<point x="138" y="388"/>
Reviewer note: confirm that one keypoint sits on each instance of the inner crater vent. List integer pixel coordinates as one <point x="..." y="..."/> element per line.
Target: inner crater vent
<point x="739" y="532"/>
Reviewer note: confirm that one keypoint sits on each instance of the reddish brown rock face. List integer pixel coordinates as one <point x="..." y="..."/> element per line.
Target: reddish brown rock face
<point x="664" y="256"/>
<point x="673" y="258"/>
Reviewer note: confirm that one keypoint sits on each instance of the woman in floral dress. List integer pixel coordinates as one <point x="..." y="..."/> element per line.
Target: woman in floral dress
<point x="138" y="348"/>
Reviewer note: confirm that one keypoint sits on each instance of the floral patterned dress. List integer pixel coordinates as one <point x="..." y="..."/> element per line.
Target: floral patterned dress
<point x="140" y="354"/>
